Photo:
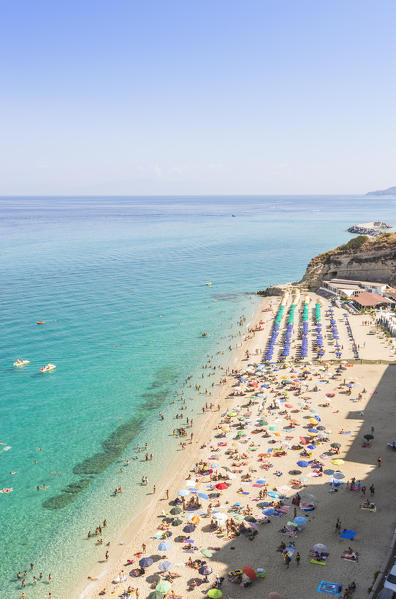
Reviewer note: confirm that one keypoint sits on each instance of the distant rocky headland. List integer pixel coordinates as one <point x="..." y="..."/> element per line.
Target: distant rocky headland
<point x="391" y="191"/>
<point x="363" y="258"/>
<point x="373" y="229"/>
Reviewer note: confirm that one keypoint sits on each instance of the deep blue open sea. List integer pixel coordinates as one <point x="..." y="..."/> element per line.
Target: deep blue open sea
<point x="120" y="285"/>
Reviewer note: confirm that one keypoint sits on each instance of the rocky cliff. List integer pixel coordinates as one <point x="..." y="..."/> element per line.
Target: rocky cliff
<point x="362" y="258"/>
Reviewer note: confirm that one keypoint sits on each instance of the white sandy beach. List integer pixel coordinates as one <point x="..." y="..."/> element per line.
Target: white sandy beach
<point x="345" y="420"/>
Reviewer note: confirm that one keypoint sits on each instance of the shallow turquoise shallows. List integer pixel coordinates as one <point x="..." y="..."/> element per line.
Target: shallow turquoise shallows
<point x="121" y="286"/>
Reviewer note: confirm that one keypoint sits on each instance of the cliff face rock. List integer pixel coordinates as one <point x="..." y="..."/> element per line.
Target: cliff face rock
<point x="362" y="258"/>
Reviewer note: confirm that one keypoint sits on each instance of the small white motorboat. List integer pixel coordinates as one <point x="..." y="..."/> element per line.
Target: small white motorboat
<point x="48" y="368"/>
<point x="20" y="363"/>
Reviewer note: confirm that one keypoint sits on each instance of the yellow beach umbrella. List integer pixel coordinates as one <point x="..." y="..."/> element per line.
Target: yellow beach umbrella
<point x="338" y="462"/>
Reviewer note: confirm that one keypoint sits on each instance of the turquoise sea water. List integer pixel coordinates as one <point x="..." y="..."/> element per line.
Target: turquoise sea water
<point x="120" y="284"/>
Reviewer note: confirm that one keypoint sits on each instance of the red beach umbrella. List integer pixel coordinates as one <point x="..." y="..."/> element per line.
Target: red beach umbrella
<point x="221" y="486"/>
<point x="250" y="572"/>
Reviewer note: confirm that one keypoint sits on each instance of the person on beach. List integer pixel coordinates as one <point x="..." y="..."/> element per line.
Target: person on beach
<point x="379" y="461"/>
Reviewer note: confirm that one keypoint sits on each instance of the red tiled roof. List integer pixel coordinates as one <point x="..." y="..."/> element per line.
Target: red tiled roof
<point x="371" y="299"/>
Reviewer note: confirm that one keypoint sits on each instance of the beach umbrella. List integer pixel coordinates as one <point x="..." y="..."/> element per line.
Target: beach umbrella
<point x="183" y="493"/>
<point x="206" y="553"/>
<point x="175" y="510"/>
<point x="145" y="562"/>
<point x="320" y="547"/>
<point x="215" y="593"/>
<point x="335" y="445"/>
<point x="303" y="463"/>
<point x="338" y="475"/>
<point x="203" y="495"/>
<point x="338" y="462"/>
<point x="329" y="471"/>
<point x="177" y="522"/>
<point x="164" y="586"/>
<point x="220" y="516"/>
<point x="300" y="520"/>
<point x="164" y="566"/>
<point x="195" y="519"/>
<point x="273" y="494"/>
<point x="250" y="519"/>
<point x="205" y="570"/>
<point x="269" y="511"/>
<point x="155" y="595"/>
<point x="250" y="572"/>
<point x="164" y="546"/>
<point x="263" y="423"/>
<point x="221" y="486"/>
<point x="291" y="524"/>
<point x="191" y="483"/>
<point x="369" y="437"/>
<point x="189" y="528"/>
<point x="272" y="428"/>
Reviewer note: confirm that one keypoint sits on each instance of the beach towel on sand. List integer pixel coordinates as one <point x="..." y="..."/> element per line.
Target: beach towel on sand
<point x="331" y="588"/>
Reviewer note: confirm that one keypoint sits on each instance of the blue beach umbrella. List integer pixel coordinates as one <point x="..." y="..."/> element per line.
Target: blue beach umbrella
<point x="164" y="546"/>
<point x="164" y="566"/>
<point x="303" y="463"/>
<point x="145" y="562"/>
<point x="189" y="528"/>
<point x="300" y="520"/>
<point x="203" y="495"/>
<point x="183" y="493"/>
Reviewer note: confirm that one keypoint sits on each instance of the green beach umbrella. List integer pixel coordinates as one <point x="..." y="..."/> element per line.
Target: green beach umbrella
<point x="155" y="595"/>
<point x="177" y="521"/>
<point x="163" y="586"/>
<point x="263" y="423"/>
<point x="272" y="428"/>
<point x="175" y="510"/>
<point x="215" y="593"/>
<point x="206" y="553"/>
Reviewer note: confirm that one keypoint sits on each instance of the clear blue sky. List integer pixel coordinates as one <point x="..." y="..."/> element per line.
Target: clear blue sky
<point x="208" y="96"/>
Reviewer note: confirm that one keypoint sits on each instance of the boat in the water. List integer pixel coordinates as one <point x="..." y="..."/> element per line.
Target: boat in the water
<point x="48" y="368"/>
<point x="40" y="322"/>
<point x="20" y="363"/>
<point x="208" y="283"/>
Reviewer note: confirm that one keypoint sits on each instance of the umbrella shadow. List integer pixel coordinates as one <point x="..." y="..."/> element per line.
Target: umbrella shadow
<point x="153" y="578"/>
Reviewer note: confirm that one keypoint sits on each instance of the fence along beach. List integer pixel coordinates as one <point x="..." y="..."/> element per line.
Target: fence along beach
<point x="288" y="460"/>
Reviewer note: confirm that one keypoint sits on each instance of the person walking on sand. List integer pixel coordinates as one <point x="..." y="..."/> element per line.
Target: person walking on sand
<point x="298" y="558"/>
<point x="379" y="461"/>
<point x="372" y="489"/>
<point x="154" y="489"/>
